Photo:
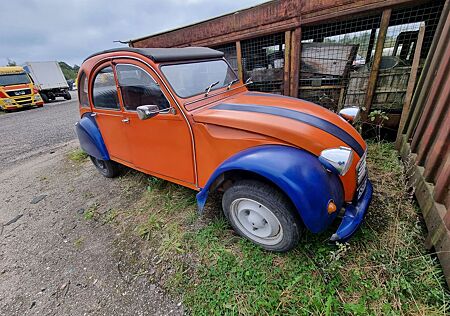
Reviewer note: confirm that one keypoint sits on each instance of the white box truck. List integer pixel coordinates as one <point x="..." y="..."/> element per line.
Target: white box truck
<point x="49" y="79"/>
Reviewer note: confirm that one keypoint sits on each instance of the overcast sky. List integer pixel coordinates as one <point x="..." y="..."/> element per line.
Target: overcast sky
<point x="42" y="30"/>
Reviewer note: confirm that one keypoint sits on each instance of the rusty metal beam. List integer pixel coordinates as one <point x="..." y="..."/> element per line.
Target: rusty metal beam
<point x="428" y="72"/>
<point x="372" y="83"/>
<point x="411" y="83"/>
<point x="239" y="60"/>
<point x="296" y="39"/>
<point x="443" y="182"/>
<point x="287" y="62"/>
<point x="263" y="16"/>
<point x="434" y="107"/>
<point x="440" y="150"/>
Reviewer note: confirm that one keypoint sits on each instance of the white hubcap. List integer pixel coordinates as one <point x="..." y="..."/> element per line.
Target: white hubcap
<point x="256" y="221"/>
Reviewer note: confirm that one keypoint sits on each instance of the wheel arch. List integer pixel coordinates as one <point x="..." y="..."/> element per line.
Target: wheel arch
<point x="90" y="137"/>
<point x="295" y="172"/>
<point x="227" y="178"/>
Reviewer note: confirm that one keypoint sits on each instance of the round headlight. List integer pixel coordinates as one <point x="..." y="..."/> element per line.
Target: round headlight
<point x="337" y="160"/>
<point x="351" y="114"/>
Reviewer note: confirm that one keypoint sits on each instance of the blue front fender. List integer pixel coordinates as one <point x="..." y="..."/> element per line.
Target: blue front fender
<point x="91" y="140"/>
<point x="298" y="173"/>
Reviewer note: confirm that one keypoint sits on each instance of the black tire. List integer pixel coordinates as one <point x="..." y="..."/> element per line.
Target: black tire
<point x="264" y="197"/>
<point x="44" y="98"/>
<point x="107" y="168"/>
<point x="67" y="95"/>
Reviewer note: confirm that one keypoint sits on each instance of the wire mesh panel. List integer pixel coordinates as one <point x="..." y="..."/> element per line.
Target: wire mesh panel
<point x="398" y="54"/>
<point x="230" y="54"/>
<point x="263" y="61"/>
<point x="332" y="57"/>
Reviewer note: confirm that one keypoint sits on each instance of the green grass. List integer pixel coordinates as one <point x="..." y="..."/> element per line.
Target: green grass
<point x="90" y="212"/>
<point x="77" y="155"/>
<point x="383" y="270"/>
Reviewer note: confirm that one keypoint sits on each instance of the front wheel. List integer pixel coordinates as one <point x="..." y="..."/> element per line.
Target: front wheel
<point x="44" y="97"/>
<point x="107" y="168"/>
<point x="262" y="214"/>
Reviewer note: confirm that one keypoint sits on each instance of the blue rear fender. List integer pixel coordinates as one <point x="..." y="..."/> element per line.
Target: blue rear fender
<point x="91" y="140"/>
<point x="298" y="173"/>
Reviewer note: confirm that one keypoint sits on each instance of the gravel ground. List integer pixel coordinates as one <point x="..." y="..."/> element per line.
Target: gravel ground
<point x="53" y="260"/>
<point x="31" y="132"/>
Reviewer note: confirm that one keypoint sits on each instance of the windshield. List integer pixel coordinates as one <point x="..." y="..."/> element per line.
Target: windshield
<point x="194" y="78"/>
<point x="11" y="79"/>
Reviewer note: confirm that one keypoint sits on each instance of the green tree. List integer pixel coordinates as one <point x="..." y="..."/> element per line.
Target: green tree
<point x="69" y="71"/>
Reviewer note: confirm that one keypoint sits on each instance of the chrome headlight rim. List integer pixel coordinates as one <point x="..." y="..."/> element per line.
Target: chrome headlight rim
<point x="351" y="114"/>
<point x="337" y="160"/>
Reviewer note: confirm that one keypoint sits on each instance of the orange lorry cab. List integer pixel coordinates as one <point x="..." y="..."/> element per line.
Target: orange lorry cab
<point x="182" y="114"/>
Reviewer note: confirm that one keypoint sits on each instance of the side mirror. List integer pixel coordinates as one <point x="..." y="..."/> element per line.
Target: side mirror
<point x="350" y="114"/>
<point x="147" y="111"/>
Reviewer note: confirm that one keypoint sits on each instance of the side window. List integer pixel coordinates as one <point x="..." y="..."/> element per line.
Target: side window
<point x="83" y="90"/>
<point x="139" y="88"/>
<point x="104" y="92"/>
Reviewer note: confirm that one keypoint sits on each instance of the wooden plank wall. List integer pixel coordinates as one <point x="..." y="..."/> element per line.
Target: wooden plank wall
<point x="424" y="143"/>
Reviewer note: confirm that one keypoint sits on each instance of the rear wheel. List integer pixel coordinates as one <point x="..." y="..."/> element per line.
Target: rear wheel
<point x="262" y="214"/>
<point x="107" y="168"/>
<point x="67" y="95"/>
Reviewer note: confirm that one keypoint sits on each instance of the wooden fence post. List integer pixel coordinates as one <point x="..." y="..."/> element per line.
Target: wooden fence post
<point x="385" y="18"/>
<point x="287" y="62"/>
<point x="411" y="85"/>
<point x="296" y="38"/>
<point x="239" y="60"/>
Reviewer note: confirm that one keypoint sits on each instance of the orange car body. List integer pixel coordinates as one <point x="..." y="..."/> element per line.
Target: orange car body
<point x="187" y="144"/>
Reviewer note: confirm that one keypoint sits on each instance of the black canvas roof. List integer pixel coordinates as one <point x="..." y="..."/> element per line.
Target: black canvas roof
<point x="168" y="54"/>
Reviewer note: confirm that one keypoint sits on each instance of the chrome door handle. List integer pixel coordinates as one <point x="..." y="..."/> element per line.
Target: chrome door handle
<point x="126" y="120"/>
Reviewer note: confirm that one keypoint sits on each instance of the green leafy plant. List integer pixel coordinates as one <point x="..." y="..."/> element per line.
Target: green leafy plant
<point x="378" y="117"/>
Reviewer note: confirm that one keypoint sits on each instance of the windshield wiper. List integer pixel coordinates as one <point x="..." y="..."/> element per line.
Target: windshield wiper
<point x="231" y="83"/>
<point x="209" y="87"/>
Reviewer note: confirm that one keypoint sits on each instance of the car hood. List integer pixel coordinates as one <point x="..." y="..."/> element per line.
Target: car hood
<point x="286" y="119"/>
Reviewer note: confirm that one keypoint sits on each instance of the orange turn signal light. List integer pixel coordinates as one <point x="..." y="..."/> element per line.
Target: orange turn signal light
<point x="331" y="208"/>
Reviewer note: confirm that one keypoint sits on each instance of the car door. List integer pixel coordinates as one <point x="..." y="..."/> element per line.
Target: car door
<point x="161" y="145"/>
<point x="108" y="113"/>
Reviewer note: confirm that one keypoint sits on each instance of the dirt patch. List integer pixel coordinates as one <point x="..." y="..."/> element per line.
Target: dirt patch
<point x="56" y="259"/>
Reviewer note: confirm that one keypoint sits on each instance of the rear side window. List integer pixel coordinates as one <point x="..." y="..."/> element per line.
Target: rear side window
<point x="138" y="88"/>
<point x="104" y="92"/>
<point x="83" y="90"/>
